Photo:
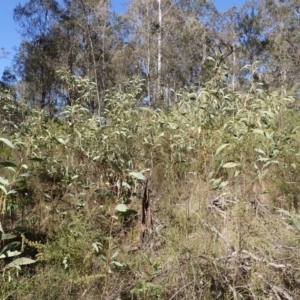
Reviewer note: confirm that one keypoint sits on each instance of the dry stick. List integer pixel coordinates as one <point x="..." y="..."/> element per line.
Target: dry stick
<point x="272" y="264"/>
<point x="215" y="230"/>
<point x="256" y="258"/>
<point x="182" y="289"/>
<point x="235" y="297"/>
<point x="278" y="291"/>
<point x="146" y="222"/>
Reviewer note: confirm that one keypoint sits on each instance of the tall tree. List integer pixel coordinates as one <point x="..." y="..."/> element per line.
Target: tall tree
<point x="283" y="21"/>
<point x="172" y="40"/>
<point x="39" y="52"/>
<point x="77" y="36"/>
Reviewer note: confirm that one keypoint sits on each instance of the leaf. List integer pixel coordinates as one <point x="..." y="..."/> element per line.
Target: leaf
<point x="7" y="142"/>
<point x="263" y="159"/>
<point x="7" y="164"/>
<point x="284" y="212"/>
<point x="103" y="192"/>
<point x="237" y="173"/>
<point x="192" y="96"/>
<point x="118" y="264"/>
<point x="97" y="246"/>
<point x="10" y="254"/>
<point x="10" y="246"/>
<point x="261" y="132"/>
<point x="37" y="159"/>
<point x="223" y="184"/>
<point x="7" y="236"/>
<point x="210" y="58"/>
<point x="26" y="175"/>
<point x="259" y="151"/>
<point x="12" y="192"/>
<point x="3" y="189"/>
<point x="121" y="207"/>
<point x="114" y="255"/>
<point x="231" y="165"/>
<point x="221" y="148"/>
<point x="129" y="212"/>
<point x="3" y="181"/>
<point x="11" y="169"/>
<point x="295" y="129"/>
<point x="20" y="179"/>
<point x="125" y="184"/>
<point x="62" y="141"/>
<point x="295" y="224"/>
<point x="270" y="114"/>
<point x="116" y="167"/>
<point x="137" y="175"/>
<point x="20" y="262"/>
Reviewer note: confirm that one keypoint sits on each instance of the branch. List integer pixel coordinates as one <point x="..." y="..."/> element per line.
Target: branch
<point x="272" y="264"/>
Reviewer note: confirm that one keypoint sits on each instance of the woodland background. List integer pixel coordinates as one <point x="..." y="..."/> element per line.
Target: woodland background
<point x="186" y="187"/>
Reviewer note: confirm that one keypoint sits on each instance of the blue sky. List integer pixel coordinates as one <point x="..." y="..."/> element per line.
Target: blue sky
<point x="10" y="38"/>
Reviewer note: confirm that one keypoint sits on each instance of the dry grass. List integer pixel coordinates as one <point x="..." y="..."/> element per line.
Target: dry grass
<point x="217" y="232"/>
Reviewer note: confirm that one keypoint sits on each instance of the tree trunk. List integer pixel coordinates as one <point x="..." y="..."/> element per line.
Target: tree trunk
<point x="159" y="56"/>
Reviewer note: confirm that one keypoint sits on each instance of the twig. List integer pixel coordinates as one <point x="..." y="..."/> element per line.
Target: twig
<point x="272" y="264"/>
<point x="277" y="290"/>
<point x="146" y="220"/>
<point x="215" y="230"/>
<point x="182" y="289"/>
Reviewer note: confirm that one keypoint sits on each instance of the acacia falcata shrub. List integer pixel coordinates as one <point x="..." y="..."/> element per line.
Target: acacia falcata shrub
<point x="78" y="184"/>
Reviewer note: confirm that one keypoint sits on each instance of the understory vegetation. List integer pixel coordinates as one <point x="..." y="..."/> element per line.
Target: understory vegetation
<point x="199" y="200"/>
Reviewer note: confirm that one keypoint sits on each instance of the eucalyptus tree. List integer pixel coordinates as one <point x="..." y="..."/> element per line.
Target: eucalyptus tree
<point x="283" y="21"/>
<point x="227" y="47"/>
<point x="190" y="36"/>
<point x="250" y="44"/>
<point x="39" y="52"/>
<point x="145" y="20"/>
<point x="89" y="24"/>
<point x="171" y="42"/>
<point x="77" y="36"/>
<point x="269" y="33"/>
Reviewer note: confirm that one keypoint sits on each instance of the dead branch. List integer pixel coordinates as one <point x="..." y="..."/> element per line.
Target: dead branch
<point x="146" y="221"/>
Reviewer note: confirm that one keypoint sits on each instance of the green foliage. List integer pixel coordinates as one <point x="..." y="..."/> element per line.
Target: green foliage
<point x="293" y="220"/>
<point x="81" y="185"/>
<point x="218" y="160"/>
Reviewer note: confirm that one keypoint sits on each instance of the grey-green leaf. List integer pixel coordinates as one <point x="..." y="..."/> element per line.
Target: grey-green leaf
<point x="3" y="181"/>
<point x="221" y="148"/>
<point x="121" y="207"/>
<point x="137" y="175"/>
<point x="10" y="254"/>
<point x="62" y="141"/>
<point x="7" y="236"/>
<point x="231" y="165"/>
<point x="20" y="262"/>
<point x="7" y="142"/>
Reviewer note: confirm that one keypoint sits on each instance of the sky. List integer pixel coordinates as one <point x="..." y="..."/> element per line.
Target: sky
<point x="10" y="38"/>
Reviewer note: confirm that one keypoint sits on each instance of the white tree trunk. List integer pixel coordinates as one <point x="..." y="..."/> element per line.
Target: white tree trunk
<point x="159" y="45"/>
